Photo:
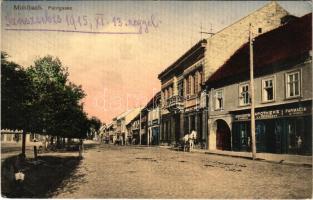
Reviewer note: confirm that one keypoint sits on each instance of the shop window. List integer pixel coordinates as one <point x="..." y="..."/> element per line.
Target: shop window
<point x="268" y="90"/>
<point x="244" y="135"/>
<point x="293" y="84"/>
<point x="260" y="133"/>
<point x="219" y="99"/>
<point x="244" y="97"/>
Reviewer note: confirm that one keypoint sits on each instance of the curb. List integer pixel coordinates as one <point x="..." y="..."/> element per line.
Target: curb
<point x="284" y="162"/>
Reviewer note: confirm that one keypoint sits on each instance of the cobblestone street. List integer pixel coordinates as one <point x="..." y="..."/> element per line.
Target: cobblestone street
<point x="141" y="172"/>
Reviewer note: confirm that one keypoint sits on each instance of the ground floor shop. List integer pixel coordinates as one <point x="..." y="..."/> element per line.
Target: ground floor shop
<point x="154" y="134"/>
<point x="175" y="125"/>
<point x="285" y="129"/>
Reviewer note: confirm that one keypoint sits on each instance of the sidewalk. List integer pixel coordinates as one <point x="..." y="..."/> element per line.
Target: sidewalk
<point x="268" y="157"/>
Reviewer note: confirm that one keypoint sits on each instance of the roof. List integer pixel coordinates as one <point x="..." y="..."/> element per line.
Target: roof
<point x="131" y="115"/>
<point x="154" y="101"/>
<point x="288" y="41"/>
<point x="180" y="60"/>
<point x="122" y="115"/>
<point x="134" y="119"/>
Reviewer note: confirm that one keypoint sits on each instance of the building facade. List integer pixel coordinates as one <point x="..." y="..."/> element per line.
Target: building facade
<point x="180" y="95"/>
<point x="121" y="125"/>
<point x="15" y="136"/>
<point x="153" y="126"/>
<point x="183" y="97"/>
<point x="133" y="129"/>
<point x="283" y="93"/>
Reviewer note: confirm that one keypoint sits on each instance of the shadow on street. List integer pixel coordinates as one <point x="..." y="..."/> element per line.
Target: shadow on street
<point x="42" y="178"/>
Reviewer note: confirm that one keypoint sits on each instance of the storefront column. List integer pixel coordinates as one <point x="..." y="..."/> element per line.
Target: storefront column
<point x="204" y="128"/>
<point x="172" y="128"/>
<point x="212" y="134"/>
<point x="181" y="116"/>
<point x="189" y="124"/>
<point x="28" y="137"/>
<point x="196" y="122"/>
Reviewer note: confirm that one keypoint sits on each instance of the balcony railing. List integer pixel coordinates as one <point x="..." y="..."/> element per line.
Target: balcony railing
<point x="175" y="102"/>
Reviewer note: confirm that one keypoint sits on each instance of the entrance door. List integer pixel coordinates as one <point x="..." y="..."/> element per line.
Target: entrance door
<point x="223" y="136"/>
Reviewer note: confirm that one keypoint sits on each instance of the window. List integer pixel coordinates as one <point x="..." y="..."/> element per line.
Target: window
<point x="293" y="84"/>
<point x="244" y="97"/>
<point x="260" y="30"/>
<point x="188" y="85"/>
<point x="201" y="77"/>
<point x="196" y="83"/>
<point x="268" y="90"/>
<point x="180" y="89"/>
<point x="192" y="86"/>
<point x="170" y="92"/>
<point x="219" y="99"/>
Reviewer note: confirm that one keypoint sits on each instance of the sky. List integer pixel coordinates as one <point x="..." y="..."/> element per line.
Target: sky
<point x="106" y="52"/>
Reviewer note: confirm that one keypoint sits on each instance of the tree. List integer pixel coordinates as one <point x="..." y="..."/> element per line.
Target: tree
<point x="95" y="125"/>
<point x="41" y="99"/>
<point x="16" y="97"/>
<point x="57" y="100"/>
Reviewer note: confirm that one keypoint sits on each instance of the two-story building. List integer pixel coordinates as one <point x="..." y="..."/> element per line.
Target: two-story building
<point x="153" y="109"/>
<point x="133" y="129"/>
<point x="122" y="120"/>
<point x="283" y="93"/>
<point x="182" y="93"/>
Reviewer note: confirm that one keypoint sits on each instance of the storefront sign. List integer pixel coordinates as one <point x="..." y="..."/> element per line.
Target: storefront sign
<point x="272" y="114"/>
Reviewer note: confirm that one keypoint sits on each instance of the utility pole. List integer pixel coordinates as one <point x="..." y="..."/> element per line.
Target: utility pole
<point x="140" y="125"/>
<point x="209" y="33"/>
<point x="252" y="95"/>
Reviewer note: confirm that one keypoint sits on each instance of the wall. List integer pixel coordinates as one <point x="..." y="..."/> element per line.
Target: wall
<point x="224" y="43"/>
<point x="231" y="92"/>
<point x="231" y="96"/>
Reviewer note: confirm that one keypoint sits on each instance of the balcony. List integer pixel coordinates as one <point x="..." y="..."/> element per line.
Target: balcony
<point x="175" y="103"/>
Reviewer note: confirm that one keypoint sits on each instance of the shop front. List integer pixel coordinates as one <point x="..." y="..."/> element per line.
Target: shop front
<point x="193" y="121"/>
<point x="284" y="129"/>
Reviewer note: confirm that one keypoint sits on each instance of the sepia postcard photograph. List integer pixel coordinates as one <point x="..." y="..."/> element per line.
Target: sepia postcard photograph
<point x="156" y="99"/>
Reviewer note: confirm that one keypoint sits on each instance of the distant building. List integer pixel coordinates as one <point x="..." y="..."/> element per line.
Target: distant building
<point x="133" y="129"/>
<point x="283" y="93"/>
<point x="109" y="132"/>
<point x="121" y="132"/>
<point x="15" y="136"/>
<point x="153" y="126"/>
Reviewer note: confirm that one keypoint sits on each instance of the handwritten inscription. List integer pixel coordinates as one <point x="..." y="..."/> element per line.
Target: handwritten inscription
<point x="99" y="23"/>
